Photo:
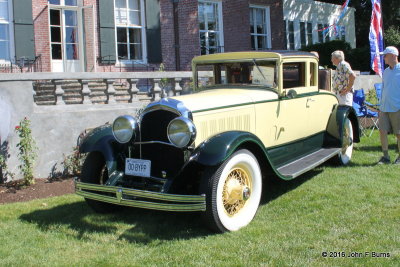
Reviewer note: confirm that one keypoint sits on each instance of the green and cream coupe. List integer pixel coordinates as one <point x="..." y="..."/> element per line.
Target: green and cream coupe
<point x="251" y="115"/>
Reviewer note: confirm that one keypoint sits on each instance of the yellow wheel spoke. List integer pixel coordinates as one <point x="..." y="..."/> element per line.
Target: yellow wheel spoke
<point x="232" y="193"/>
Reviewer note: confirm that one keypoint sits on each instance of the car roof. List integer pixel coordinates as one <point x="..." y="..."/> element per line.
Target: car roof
<point x="272" y="54"/>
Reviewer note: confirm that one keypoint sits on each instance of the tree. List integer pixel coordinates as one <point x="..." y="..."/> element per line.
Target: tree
<point x="390" y="14"/>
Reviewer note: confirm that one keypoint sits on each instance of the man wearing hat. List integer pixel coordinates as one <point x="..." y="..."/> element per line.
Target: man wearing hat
<point x="389" y="114"/>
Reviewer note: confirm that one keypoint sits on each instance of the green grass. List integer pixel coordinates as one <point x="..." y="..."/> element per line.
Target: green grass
<point x="333" y="209"/>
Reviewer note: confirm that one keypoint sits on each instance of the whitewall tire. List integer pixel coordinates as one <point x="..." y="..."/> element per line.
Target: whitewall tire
<point x="233" y="192"/>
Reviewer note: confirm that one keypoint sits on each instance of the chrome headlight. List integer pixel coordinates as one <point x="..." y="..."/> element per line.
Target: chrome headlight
<point x="124" y="128"/>
<point x="181" y="132"/>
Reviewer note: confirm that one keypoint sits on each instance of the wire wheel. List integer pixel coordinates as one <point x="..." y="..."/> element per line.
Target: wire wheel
<point x="236" y="191"/>
<point x="233" y="192"/>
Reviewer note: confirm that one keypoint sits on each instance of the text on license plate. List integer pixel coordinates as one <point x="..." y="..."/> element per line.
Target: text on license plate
<point x="137" y="167"/>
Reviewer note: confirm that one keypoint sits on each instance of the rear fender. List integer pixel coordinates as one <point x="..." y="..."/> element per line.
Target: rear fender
<point x="336" y="123"/>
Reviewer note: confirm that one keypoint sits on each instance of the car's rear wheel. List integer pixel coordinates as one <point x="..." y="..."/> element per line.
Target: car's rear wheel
<point x="94" y="171"/>
<point x="233" y="192"/>
<point x="346" y="152"/>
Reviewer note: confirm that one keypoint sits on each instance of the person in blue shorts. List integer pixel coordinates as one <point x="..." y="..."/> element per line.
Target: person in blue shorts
<point x="389" y="112"/>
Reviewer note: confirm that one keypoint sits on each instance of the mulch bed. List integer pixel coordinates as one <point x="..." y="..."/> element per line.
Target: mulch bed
<point x="43" y="188"/>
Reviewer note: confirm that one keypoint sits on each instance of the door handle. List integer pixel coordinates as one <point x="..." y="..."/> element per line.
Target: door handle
<point x="309" y="100"/>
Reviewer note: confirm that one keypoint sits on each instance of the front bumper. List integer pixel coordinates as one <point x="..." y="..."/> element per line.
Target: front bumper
<point x="140" y="198"/>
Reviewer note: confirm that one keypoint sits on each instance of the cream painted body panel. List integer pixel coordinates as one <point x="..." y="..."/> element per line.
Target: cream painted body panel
<point x="260" y="112"/>
<point x="320" y="108"/>
<point x="221" y="110"/>
<point x="215" y="98"/>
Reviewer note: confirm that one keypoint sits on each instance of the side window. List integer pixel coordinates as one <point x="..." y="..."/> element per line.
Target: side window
<point x="293" y="75"/>
<point x="313" y="74"/>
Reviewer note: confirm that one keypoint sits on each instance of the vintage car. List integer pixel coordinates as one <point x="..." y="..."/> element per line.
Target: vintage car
<point x="252" y="115"/>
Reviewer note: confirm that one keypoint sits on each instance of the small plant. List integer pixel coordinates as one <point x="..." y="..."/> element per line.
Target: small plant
<point x="73" y="162"/>
<point x="5" y="173"/>
<point x="371" y="97"/>
<point x="27" y="150"/>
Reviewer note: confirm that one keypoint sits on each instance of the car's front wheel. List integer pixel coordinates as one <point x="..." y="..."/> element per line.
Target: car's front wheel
<point x="233" y="192"/>
<point x="346" y="152"/>
<point x="94" y="171"/>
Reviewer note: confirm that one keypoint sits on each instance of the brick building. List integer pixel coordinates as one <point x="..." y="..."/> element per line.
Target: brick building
<point x="133" y="35"/>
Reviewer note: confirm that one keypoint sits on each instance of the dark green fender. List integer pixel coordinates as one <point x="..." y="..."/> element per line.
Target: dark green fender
<point x="217" y="149"/>
<point x="101" y="140"/>
<point x="336" y="122"/>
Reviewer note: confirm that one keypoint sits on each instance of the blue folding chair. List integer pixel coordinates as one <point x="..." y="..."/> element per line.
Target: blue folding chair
<point x="367" y="117"/>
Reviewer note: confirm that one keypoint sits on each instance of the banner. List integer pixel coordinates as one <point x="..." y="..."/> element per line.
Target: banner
<point x="376" y="37"/>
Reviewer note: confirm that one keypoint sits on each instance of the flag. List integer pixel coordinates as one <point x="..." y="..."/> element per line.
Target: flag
<point x="376" y="37"/>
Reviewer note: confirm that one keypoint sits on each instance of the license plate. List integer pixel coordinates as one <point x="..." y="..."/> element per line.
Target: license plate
<point x="137" y="167"/>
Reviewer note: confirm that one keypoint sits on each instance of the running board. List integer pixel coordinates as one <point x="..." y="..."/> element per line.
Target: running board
<point x="306" y="163"/>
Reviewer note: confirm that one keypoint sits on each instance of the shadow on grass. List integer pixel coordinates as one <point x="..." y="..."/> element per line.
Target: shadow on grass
<point x="375" y="148"/>
<point x="144" y="226"/>
<point x="275" y="187"/>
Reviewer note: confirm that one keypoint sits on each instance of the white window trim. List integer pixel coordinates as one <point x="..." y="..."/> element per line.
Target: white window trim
<point x="306" y="32"/>
<point x="11" y="43"/>
<point x="220" y="22"/>
<point x="267" y="24"/>
<point x="130" y="62"/>
<point x="288" y="34"/>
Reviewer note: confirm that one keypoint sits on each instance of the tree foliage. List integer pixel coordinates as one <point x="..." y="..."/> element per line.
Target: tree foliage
<point x="358" y="57"/>
<point x="390" y="14"/>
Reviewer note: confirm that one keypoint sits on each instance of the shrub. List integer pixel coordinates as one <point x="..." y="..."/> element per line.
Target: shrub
<point x="27" y="150"/>
<point x="73" y="162"/>
<point x="359" y="58"/>
<point x="392" y="36"/>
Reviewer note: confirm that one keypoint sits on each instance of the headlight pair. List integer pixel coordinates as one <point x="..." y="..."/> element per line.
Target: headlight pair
<point x="181" y="131"/>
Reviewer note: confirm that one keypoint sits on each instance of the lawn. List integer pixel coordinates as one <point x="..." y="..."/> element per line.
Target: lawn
<point x="339" y="210"/>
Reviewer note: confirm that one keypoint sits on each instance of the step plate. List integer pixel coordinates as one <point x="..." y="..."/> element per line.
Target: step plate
<point x="304" y="164"/>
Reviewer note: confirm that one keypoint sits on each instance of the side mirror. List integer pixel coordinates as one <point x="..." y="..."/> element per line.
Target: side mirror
<point x="291" y="94"/>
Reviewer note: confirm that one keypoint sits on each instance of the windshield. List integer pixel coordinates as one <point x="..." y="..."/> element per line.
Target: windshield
<point x="249" y="73"/>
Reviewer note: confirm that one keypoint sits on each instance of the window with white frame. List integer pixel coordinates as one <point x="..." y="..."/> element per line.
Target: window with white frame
<point x="327" y="35"/>
<point x="130" y="29"/>
<point x="342" y="32"/>
<point x="5" y="21"/>
<point x="323" y="33"/>
<point x="211" y="29"/>
<point x="64" y="2"/>
<point x="290" y="34"/>
<point x="309" y="33"/>
<point x="260" y="28"/>
<point x="306" y="33"/>
<point x="320" y="33"/>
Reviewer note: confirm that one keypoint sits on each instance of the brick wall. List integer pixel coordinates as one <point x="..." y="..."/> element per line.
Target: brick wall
<point x="40" y="15"/>
<point x="189" y="42"/>
<point x="236" y="23"/>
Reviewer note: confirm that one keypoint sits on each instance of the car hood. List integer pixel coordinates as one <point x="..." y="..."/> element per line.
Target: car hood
<point x="215" y="98"/>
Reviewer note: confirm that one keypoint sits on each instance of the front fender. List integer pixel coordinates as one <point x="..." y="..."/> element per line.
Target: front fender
<point x="336" y="122"/>
<point x="217" y="149"/>
<point x="101" y="139"/>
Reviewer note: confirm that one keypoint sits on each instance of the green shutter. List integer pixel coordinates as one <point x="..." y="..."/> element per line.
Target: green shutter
<point x="153" y="31"/>
<point x="107" y="31"/>
<point x="23" y="29"/>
